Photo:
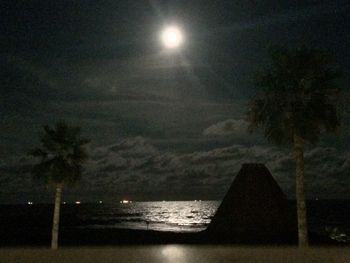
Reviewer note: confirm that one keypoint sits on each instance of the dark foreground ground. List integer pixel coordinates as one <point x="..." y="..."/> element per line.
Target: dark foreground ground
<point x="177" y="253"/>
<point x="123" y="245"/>
<point x="72" y="237"/>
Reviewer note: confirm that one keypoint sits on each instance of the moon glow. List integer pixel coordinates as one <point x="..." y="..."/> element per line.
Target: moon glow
<point x="172" y="37"/>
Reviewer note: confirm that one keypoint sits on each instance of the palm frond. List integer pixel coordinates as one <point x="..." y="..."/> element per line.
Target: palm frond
<point x="62" y="154"/>
<point x="297" y="95"/>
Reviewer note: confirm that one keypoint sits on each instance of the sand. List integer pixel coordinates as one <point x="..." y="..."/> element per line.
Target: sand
<point x="177" y="253"/>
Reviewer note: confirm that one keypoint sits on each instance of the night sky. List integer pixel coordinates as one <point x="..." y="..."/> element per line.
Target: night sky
<point x="163" y="125"/>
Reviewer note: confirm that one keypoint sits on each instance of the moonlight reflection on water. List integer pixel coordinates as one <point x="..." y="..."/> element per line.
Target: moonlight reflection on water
<point x="185" y="216"/>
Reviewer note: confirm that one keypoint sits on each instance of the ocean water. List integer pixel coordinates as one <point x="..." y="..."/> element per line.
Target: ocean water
<point x="185" y="216"/>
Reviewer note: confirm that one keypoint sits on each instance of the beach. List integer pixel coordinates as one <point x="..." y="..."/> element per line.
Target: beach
<point x="73" y="237"/>
<point x="177" y="253"/>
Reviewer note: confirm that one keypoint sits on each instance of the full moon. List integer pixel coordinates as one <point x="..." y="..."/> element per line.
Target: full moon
<point x="172" y="37"/>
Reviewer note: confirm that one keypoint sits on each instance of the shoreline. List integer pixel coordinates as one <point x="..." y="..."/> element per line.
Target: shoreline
<point x="72" y="237"/>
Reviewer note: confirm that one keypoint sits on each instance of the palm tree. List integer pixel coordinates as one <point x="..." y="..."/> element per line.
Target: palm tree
<point x="296" y="101"/>
<point x="61" y="156"/>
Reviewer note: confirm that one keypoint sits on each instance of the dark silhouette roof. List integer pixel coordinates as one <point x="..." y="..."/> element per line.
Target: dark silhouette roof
<point x="254" y="205"/>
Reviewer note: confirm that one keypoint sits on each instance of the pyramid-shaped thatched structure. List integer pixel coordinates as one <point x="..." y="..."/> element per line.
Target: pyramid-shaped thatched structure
<point x="254" y="206"/>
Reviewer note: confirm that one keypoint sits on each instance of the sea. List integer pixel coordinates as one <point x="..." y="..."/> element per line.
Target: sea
<point x="176" y="216"/>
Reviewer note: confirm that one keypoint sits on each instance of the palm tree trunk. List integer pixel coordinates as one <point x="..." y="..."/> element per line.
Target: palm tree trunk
<point x="300" y="192"/>
<point x="56" y="217"/>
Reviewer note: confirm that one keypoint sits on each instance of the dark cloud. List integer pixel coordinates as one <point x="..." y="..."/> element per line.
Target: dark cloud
<point x="228" y="127"/>
<point x="135" y="168"/>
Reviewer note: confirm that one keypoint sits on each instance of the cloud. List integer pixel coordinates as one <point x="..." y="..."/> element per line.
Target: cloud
<point x="135" y="168"/>
<point x="227" y="128"/>
<point x="208" y="174"/>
